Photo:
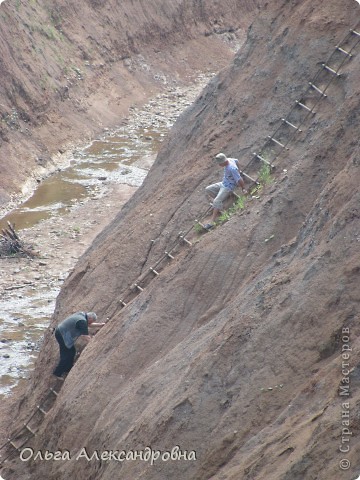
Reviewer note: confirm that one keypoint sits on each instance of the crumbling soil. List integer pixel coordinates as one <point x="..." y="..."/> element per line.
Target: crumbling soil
<point x="55" y="244"/>
<point x="69" y="70"/>
<point x="235" y="351"/>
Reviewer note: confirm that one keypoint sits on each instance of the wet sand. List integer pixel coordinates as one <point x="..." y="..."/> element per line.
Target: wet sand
<point x="29" y="287"/>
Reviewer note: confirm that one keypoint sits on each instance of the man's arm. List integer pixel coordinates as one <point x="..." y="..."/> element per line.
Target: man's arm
<point x="237" y="177"/>
<point x="241" y="183"/>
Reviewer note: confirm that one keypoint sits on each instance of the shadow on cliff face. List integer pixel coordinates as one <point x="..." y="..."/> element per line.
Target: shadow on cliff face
<point x="234" y="352"/>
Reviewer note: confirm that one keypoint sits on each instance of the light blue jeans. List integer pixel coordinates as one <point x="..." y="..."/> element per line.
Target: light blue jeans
<point x="219" y="193"/>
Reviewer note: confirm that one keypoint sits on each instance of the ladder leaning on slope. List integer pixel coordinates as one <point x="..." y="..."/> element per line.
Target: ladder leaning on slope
<point x="274" y="145"/>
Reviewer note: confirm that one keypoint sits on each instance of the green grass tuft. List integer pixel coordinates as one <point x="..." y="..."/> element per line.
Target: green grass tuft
<point x="265" y="174"/>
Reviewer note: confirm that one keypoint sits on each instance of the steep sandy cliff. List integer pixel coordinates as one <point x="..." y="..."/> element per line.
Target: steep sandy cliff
<point x="245" y="349"/>
<point x="69" y="69"/>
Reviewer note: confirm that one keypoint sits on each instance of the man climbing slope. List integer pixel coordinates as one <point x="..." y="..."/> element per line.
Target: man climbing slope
<point x="220" y="191"/>
<point x="66" y="334"/>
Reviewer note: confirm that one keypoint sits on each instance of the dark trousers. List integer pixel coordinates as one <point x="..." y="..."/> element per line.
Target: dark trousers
<point x="67" y="356"/>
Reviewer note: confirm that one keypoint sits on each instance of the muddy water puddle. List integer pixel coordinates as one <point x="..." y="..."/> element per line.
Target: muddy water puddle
<point x="29" y="289"/>
<point x="115" y="154"/>
<point x="27" y="305"/>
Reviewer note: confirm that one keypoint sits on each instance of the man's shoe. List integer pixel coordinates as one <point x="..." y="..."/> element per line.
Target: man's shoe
<point x="209" y="226"/>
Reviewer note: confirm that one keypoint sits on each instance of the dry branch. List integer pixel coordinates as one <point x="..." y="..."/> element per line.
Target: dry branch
<point x="11" y="244"/>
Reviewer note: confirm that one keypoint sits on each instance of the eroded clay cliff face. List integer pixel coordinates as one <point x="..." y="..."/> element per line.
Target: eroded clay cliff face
<point x="69" y="69"/>
<point x="234" y="351"/>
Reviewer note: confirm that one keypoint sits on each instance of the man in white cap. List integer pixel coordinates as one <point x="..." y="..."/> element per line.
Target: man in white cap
<point x="220" y="191"/>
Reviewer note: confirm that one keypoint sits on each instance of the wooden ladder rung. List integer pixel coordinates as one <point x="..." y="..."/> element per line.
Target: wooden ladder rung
<point x="317" y="89"/>
<point x="169" y="255"/>
<point x="249" y="178"/>
<point x="154" y="271"/>
<point x="262" y="159"/>
<point x="29" y="429"/>
<point x="184" y="239"/>
<point x="13" y="444"/>
<point x="199" y="223"/>
<point x="291" y="125"/>
<point x="277" y="142"/>
<point x="302" y="105"/>
<point x="123" y="303"/>
<point x="344" y="51"/>
<point x="138" y="287"/>
<point x="41" y="410"/>
<point x="331" y="70"/>
<point x="355" y="32"/>
<point x="54" y="392"/>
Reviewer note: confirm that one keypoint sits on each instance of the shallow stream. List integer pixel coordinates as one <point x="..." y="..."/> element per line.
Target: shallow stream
<point x="113" y="155"/>
<point x="26" y="306"/>
<point x="29" y="289"/>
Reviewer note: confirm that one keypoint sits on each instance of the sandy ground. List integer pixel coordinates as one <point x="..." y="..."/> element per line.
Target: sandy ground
<point x="60" y="240"/>
<point x="29" y="286"/>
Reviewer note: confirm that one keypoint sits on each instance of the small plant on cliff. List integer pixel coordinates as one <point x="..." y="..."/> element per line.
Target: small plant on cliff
<point x="265" y="174"/>
<point x="236" y="207"/>
<point x="240" y="203"/>
<point x="56" y="18"/>
<point x="224" y="216"/>
<point x="198" y="228"/>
